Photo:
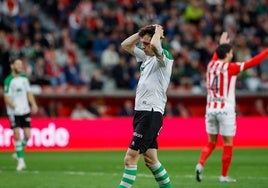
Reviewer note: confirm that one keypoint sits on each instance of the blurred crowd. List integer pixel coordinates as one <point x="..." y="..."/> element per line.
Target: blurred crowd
<point x="192" y="29"/>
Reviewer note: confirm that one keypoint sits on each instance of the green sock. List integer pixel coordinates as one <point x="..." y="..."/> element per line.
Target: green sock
<point x="161" y="175"/>
<point x="129" y="176"/>
<point x="19" y="149"/>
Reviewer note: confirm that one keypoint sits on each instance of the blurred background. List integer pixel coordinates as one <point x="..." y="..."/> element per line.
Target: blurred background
<point x="72" y="55"/>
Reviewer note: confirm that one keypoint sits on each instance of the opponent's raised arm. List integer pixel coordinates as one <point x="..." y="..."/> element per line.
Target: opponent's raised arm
<point x="129" y="43"/>
<point x="257" y="59"/>
<point x="224" y="39"/>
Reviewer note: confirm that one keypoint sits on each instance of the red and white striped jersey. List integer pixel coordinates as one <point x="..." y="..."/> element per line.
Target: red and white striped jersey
<point x="221" y="81"/>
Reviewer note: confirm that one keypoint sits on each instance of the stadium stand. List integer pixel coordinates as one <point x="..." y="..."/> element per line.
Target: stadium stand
<point x="54" y="37"/>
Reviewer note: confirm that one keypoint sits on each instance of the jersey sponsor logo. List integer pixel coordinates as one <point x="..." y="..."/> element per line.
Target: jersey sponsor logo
<point x="217" y="99"/>
<point x="217" y="113"/>
<point x="142" y="68"/>
<point x="144" y="102"/>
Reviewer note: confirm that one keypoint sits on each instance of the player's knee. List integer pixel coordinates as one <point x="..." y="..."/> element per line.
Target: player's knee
<point x="149" y="161"/>
<point x="130" y="160"/>
<point x="16" y="136"/>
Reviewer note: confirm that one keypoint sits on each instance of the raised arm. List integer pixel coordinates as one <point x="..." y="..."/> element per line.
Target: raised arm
<point x="129" y="43"/>
<point x="224" y="39"/>
<point x="156" y="41"/>
<point x="256" y="59"/>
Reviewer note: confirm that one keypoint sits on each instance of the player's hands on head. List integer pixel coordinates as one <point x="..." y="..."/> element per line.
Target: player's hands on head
<point x="159" y="29"/>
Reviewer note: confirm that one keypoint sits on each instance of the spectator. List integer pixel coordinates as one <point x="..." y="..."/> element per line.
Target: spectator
<point x="121" y="75"/>
<point x="80" y="112"/>
<point x="259" y="108"/>
<point x="55" y="72"/>
<point x="72" y="72"/>
<point x="181" y="111"/>
<point x="169" y="112"/>
<point x="98" y="108"/>
<point x="40" y="75"/>
<point x="127" y="109"/>
<point x="75" y="23"/>
<point x="253" y="82"/>
<point x="99" y="44"/>
<point x="109" y="59"/>
<point x="4" y="58"/>
<point x="10" y="8"/>
<point x="96" y="82"/>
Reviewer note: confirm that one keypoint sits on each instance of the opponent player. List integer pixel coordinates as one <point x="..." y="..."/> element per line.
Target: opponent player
<point x="17" y="96"/>
<point x="220" y="109"/>
<point x="149" y="103"/>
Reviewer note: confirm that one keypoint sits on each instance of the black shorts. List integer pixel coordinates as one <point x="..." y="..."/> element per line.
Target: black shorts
<point x="20" y="121"/>
<point x="147" y="126"/>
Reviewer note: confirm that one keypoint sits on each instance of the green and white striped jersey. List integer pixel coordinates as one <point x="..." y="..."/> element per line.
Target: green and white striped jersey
<point x="154" y="80"/>
<point x="17" y="88"/>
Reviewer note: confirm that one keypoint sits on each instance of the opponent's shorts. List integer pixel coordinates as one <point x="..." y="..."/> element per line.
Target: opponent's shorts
<point x="147" y="125"/>
<point x="223" y="123"/>
<point x="20" y="121"/>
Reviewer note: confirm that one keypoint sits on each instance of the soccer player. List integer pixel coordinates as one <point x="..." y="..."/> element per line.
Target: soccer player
<point x="150" y="101"/>
<point x="220" y="109"/>
<point x="17" y="96"/>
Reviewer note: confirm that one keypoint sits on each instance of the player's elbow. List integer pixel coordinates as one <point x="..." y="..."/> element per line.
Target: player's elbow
<point x="127" y="48"/>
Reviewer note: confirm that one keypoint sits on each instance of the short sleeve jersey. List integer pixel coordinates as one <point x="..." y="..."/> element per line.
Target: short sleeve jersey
<point x="154" y="80"/>
<point x="221" y="84"/>
<point x="221" y="81"/>
<point x="17" y="88"/>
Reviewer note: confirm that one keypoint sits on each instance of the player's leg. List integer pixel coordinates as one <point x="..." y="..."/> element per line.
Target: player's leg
<point x="160" y="174"/>
<point x="130" y="161"/>
<point x="133" y="153"/>
<point x="227" y="130"/>
<point x="227" y="156"/>
<point x="204" y="155"/>
<point x="27" y="134"/>
<point x="208" y="149"/>
<point x="15" y="122"/>
<point x="17" y="142"/>
<point x="150" y="155"/>
<point x="212" y="130"/>
<point x="19" y="149"/>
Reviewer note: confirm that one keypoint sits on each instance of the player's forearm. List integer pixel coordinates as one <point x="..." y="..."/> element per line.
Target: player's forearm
<point x="256" y="59"/>
<point x="31" y="99"/>
<point x="156" y="44"/>
<point x="129" y="43"/>
<point x="9" y="102"/>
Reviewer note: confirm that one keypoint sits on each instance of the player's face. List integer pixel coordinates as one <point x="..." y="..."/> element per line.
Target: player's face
<point x="146" y="46"/>
<point x="17" y="67"/>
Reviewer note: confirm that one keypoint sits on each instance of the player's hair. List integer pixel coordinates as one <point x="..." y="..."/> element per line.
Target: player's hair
<point x="12" y="59"/>
<point x="222" y="50"/>
<point x="147" y="30"/>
